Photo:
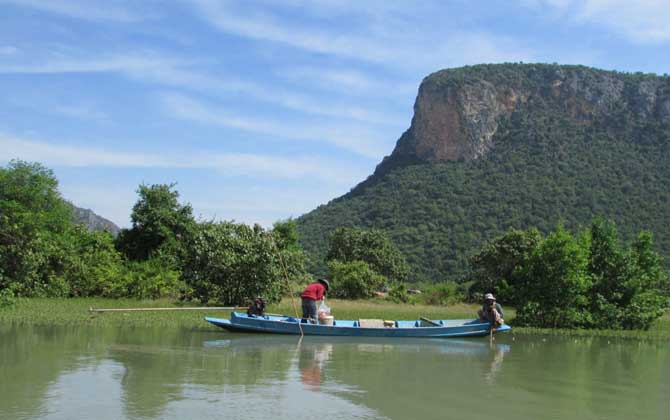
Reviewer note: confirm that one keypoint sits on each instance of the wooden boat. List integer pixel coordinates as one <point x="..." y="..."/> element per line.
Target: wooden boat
<point x="241" y="322"/>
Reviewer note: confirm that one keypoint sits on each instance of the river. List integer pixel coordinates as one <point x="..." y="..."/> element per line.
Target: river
<point x="151" y="373"/>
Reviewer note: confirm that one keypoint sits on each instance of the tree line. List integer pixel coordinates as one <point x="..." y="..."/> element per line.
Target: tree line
<point x="166" y="252"/>
<point x="589" y="279"/>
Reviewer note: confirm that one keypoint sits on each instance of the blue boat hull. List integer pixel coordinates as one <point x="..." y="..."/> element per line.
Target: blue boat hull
<point x="240" y="322"/>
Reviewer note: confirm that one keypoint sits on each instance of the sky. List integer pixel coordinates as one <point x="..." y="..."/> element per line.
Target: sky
<point x="263" y="110"/>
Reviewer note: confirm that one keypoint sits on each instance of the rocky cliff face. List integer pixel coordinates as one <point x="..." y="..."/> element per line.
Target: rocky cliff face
<point x="458" y="112"/>
<point x="93" y="222"/>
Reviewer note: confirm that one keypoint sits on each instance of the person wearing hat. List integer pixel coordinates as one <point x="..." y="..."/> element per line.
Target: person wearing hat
<point x="312" y="293"/>
<point x="491" y="311"/>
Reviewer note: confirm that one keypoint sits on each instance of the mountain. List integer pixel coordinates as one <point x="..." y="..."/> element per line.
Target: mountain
<point x="494" y="147"/>
<point x="92" y="221"/>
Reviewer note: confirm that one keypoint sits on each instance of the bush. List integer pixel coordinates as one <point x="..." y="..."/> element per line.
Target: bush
<point x="371" y="246"/>
<point x="151" y="279"/>
<point x="7" y="298"/>
<point x="398" y="293"/>
<point x="354" y="280"/>
<point x="445" y="293"/>
<point x="230" y="264"/>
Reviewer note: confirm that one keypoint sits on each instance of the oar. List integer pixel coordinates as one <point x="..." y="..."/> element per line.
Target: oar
<point x="431" y="322"/>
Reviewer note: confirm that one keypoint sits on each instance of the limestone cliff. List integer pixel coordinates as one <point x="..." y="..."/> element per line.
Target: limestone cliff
<point x="458" y="112"/>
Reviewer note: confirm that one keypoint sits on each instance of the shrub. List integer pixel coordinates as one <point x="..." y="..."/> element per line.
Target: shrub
<point x="398" y="293"/>
<point x="354" y="280"/>
<point x="7" y="298"/>
<point x="232" y="263"/>
<point x="371" y="246"/>
<point x="445" y="293"/>
<point x="151" y="279"/>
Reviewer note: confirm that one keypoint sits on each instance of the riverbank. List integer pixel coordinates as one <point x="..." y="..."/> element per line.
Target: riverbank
<point x="76" y="312"/>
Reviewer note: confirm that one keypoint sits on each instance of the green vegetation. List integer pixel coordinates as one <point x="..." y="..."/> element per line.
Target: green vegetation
<point x="354" y="280"/>
<point x="361" y="262"/>
<point x="161" y="225"/>
<point x="231" y="263"/>
<point x="371" y="246"/>
<point x="553" y="159"/>
<point x="42" y="253"/>
<point x="166" y="253"/>
<point x="583" y="281"/>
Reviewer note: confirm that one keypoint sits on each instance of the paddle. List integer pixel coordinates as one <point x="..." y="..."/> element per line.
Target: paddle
<point x="431" y="322"/>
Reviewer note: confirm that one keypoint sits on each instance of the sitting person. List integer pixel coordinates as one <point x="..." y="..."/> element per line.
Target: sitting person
<point x="310" y="295"/>
<point x="491" y="311"/>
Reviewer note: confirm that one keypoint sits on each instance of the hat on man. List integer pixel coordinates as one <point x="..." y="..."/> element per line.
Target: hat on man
<point x="325" y="283"/>
<point x="489" y="296"/>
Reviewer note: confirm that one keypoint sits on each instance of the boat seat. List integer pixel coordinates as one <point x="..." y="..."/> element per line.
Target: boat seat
<point x="371" y="323"/>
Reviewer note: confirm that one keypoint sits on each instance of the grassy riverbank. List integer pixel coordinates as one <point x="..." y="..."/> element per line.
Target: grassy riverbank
<point x="76" y="312"/>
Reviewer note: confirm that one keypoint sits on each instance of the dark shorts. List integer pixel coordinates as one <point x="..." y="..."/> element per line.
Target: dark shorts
<point x="308" y="308"/>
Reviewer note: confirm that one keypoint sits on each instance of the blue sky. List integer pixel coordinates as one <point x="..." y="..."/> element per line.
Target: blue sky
<point x="263" y="110"/>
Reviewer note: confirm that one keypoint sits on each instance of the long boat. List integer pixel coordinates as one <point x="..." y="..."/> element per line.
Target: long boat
<point x="444" y="328"/>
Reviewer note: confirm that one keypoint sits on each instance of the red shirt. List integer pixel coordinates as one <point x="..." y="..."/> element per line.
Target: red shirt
<point x="314" y="291"/>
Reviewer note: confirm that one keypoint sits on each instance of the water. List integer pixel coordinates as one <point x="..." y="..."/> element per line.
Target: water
<point x="123" y="373"/>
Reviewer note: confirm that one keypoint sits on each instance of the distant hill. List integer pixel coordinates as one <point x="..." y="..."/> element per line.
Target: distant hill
<point x="92" y="221"/>
<point x="493" y="147"/>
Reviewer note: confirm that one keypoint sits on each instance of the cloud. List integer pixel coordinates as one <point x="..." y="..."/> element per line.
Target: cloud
<point x="129" y="64"/>
<point x="228" y="164"/>
<point x="82" y="112"/>
<point x="150" y="67"/>
<point x="8" y="50"/>
<point x="641" y="21"/>
<point x="378" y="32"/>
<point x="345" y="79"/>
<point x="349" y="137"/>
<point x="224" y="16"/>
<point x="87" y="10"/>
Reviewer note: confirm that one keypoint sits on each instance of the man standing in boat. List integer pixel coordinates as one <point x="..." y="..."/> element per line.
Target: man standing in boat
<point x="491" y="311"/>
<point x="313" y="293"/>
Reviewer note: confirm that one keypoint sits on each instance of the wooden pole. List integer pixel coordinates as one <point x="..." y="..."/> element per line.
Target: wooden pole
<point x="288" y="284"/>
<point x="194" y="308"/>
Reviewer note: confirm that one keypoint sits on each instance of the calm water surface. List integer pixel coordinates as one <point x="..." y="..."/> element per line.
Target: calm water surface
<point x="124" y="373"/>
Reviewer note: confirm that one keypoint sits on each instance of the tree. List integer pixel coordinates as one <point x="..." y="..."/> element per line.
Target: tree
<point x="371" y="246"/>
<point x="33" y="220"/>
<point x="354" y="280"/>
<point x="42" y="252"/>
<point x="160" y="225"/>
<point x="232" y="263"/>
<point x="555" y="282"/>
<point x="495" y="269"/>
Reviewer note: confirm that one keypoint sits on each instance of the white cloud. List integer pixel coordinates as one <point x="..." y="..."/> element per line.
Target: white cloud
<point x="150" y="67"/>
<point x="79" y="111"/>
<point x="640" y="21"/>
<point x="356" y="139"/>
<point x="96" y="11"/>
<point x="380" y="32"/>
<point x="229" y="164"/>
<point x="239" y="21"/>
<point x="353" y="82"/>
<point x="8" y="50"/>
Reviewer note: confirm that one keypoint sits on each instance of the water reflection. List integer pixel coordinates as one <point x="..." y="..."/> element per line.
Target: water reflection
<point x="148" y="373"/>
<point x="312" y="361"/>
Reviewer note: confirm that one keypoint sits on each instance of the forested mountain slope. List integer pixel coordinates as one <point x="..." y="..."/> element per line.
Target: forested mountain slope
<point x="493" y="147"/>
